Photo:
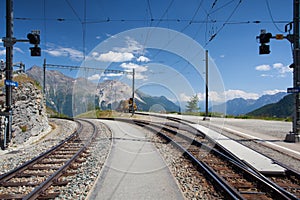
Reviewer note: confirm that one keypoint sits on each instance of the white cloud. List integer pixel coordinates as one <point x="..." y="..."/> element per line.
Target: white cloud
<point x="105" y="76"/>
<point x="132" y="47"/>
<point x="94" y="77"/>
<point x="16" y="49"/>
<point x="222" y="56"/>
<point x="138" y="68"/>
<point x="143" y="59"/>
<point x="271" y="92"/>
<point x="281" y="68"/>
<point x="221" y="97"/>
<point x="113" y="74"/>
<point x="218" y="97"/>
<point x="184" y="98"/>
<point x="2" y="52"/>
<point x="266" y="75"/>
<point x="112" y="56"/>
<point x="232" y="94"/>
<point x="59" y="51"/>
<point x="110" y="35"/>
<point x="263" y="68"/>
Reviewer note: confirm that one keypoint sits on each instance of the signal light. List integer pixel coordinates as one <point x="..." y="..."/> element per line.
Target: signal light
<point x="35" y="51"/>
<point x="264" y="38"/>
<point x="33" y="38"/>
<point x="264" y="49"/>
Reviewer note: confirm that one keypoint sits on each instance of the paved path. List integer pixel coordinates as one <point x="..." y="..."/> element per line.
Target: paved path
<point x="134" y="169"/>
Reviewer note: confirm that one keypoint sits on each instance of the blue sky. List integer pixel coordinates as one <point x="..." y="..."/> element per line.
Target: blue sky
<point x="226" y="28"/>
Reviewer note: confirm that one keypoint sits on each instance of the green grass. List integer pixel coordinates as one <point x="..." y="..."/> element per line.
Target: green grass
<point x="96" y="114"/>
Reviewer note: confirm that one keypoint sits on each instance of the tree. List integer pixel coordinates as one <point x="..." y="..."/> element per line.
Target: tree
<point x="192" y="105"/>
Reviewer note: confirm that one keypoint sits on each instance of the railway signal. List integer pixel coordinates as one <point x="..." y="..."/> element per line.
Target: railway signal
<point x="264" y="38"/>
<point x="34" y="38"/>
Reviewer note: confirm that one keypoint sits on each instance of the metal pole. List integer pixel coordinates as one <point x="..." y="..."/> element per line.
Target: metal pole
<point x="294" y="135"/>
<point x="296" y="122"/>
<point x="9" y="63"/>
<point x="206" y="85"/>
<point x="44" y="78"/>
<point x="206" y="79"/>
<point x="133" y="101"/>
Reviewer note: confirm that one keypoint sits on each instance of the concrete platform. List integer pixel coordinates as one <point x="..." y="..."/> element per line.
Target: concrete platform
<point x="260" y="162"/>
<point x="134" y="169"/>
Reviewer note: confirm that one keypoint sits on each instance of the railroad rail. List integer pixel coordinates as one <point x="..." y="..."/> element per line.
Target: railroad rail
<point x="236" y="179"/>
<point x="287" y="183"/>
<point x="42" y="176"/>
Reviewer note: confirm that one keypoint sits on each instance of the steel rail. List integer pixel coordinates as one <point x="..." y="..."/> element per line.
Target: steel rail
<point x="48" y="182"/>
<point x="22" y="167"/>
<point x="228" y="191"/>
<point x="242" y="168"/>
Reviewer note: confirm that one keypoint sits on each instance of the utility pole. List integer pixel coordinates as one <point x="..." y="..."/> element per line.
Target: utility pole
<point x="206" y="85"/>
<point x="44" y="78"/>
<point x="264" y="39"/>
<point x="294" y="135"/>
<point x="133" y="101"/>
<point x="9" y="42"/>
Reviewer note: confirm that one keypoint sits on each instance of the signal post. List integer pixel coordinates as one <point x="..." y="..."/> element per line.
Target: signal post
<point x="264" y="39"/>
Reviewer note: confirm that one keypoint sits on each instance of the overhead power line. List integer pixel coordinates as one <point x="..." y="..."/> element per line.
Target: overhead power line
<point x="107" y="20"/>
<point x="273" y="21"/>
<point x="224" y="24"/>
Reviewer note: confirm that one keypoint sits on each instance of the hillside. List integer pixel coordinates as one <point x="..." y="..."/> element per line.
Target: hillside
<point x="282" y="109"/>
<point x="156" y="104"/>
<point x="240" y="106"/>
<point x="60" y="94"/>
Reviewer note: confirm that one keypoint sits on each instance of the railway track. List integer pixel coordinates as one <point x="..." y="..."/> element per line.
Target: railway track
<point x="43" y="176"/>
<point x="288" y="183"/>
<point x="236" y="179"/>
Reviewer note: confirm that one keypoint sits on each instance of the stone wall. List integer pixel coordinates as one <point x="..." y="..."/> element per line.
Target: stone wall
<point x="29" y="110"/>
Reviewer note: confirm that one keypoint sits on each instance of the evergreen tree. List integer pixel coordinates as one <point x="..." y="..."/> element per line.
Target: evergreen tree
<point x="192" y="105"/>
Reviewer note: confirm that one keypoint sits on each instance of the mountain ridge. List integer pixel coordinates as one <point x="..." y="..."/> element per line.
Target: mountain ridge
<point x="241" y="106"/>
<point x="105" y="95"/>
<point x="282" y="109"/>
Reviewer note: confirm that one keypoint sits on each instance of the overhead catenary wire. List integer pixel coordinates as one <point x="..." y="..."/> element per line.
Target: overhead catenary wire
<point x="150" y="12"/>
<point x="175" y="20"/>
<point x="219" y="30"/>
<point x="271" y="16"/>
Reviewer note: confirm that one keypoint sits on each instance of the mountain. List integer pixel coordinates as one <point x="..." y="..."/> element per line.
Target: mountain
<point x="283" y="108"/>
<point x="240" y="106"/>
<point x="64" y="93"/>
<point x="156" y="104"/>
<point x="58" y="89"/>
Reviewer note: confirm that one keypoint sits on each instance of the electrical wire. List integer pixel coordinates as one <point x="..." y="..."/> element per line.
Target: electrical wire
<point x="218" y="31"/>
<point x="166" y="11"/>
<point x="150" y="12"/>
<point x="271" y="16"/>
<point x="74" y="11"/>
<point x="45" y="26"/>
<point x="189" y="21"/>
<point x="84" y="31"/>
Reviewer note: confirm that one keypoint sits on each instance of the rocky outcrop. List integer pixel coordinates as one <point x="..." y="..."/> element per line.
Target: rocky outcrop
<point x="29" y="110"/>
